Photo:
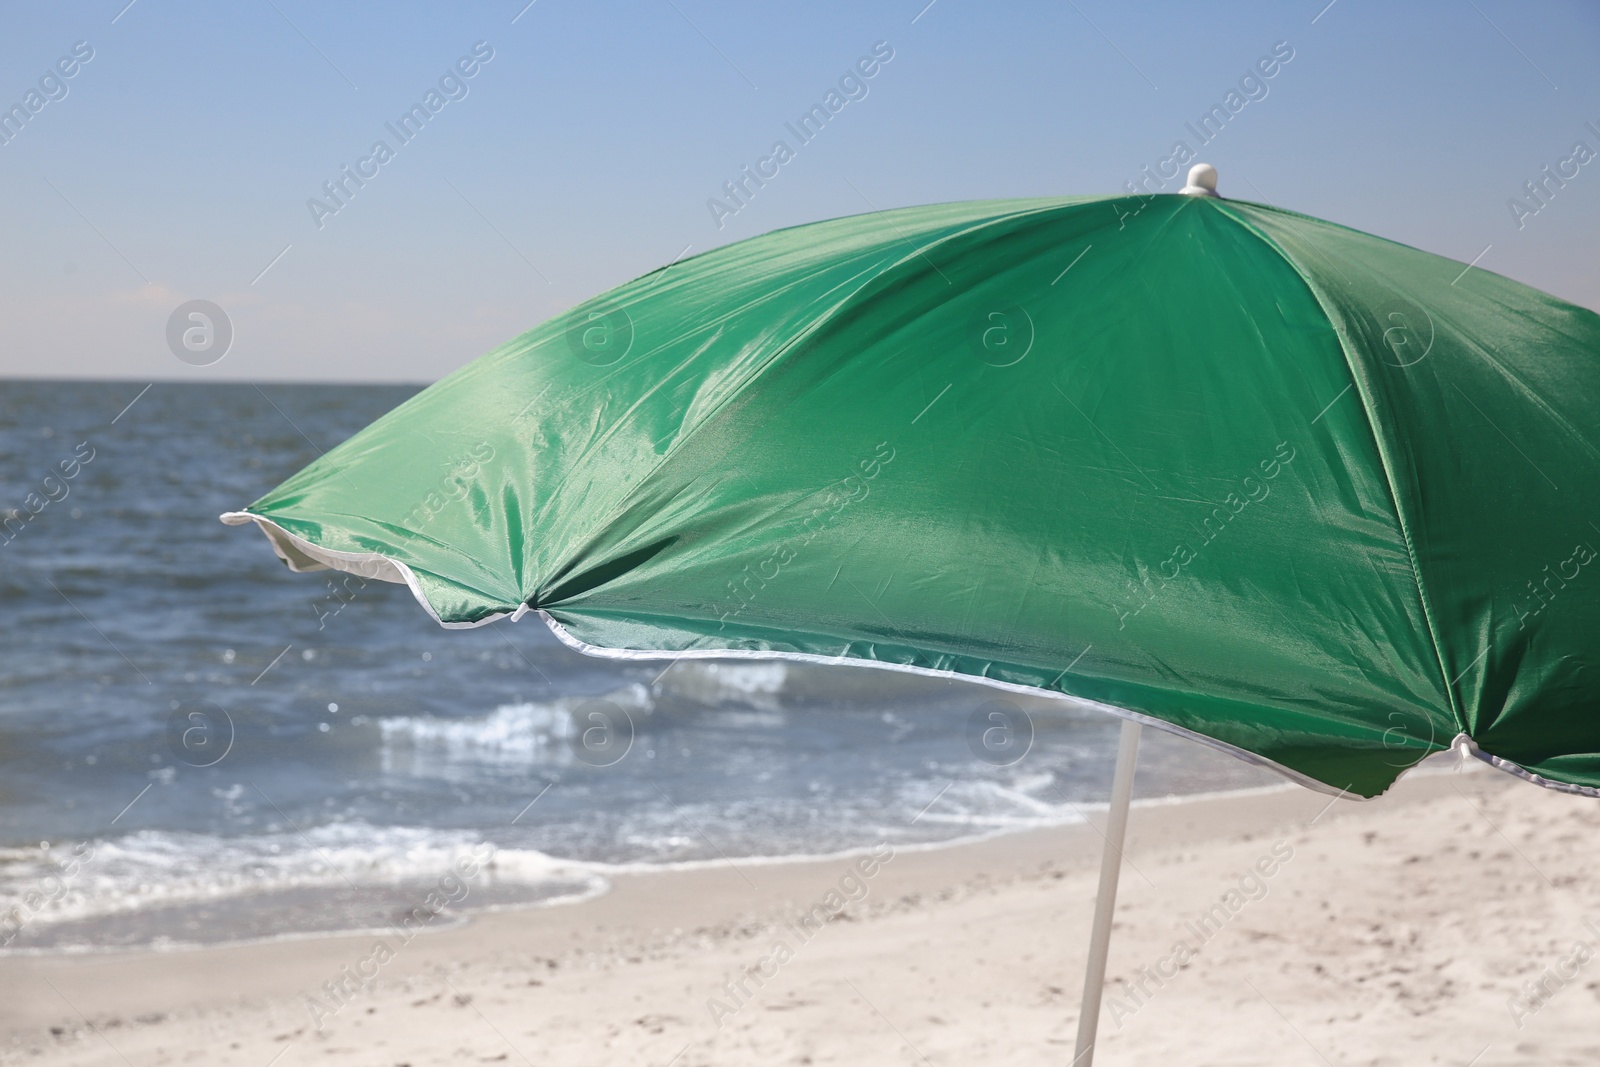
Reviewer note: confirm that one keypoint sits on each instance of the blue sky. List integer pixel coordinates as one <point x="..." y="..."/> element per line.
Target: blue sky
<point x="180" y="160"/>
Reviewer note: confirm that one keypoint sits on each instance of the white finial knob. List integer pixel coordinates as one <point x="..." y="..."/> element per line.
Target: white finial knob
<point x="1202" y="181"/>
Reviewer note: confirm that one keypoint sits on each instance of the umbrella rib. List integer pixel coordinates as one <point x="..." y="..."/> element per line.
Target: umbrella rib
<point x="1309" y="242"/>
<point x="1385" y="466"/>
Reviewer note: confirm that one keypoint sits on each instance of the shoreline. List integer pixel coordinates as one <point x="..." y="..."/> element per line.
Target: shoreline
<point x="608" y="872"/>
<point x="982" y="927"/>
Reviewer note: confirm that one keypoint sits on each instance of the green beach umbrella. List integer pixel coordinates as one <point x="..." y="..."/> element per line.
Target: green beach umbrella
<point x="1310" y="496"/>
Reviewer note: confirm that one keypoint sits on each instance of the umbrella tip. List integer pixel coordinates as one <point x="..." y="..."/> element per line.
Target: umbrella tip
<point x="1202" y="181"/>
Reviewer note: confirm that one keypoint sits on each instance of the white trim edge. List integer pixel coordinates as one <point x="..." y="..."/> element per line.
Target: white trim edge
<point x="1470" y="746"/>
<point x="302" y="557"/>
<point x="602" y="652"/>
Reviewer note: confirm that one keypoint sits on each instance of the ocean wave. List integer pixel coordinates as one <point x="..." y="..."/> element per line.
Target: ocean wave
<point x="753" y="684"/>
<point x="986" y="803"/>
<point x="523" y="733"/>
<point x="76" y="881"/>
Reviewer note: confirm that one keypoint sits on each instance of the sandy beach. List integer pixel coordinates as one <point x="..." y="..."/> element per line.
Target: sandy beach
<point x="1269" y="928"/>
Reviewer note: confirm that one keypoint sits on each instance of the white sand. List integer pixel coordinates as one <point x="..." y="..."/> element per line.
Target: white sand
<point x="1397" y="932"/>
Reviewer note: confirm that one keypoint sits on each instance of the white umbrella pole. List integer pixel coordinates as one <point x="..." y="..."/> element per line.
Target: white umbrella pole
<point x="1105" y="902"/>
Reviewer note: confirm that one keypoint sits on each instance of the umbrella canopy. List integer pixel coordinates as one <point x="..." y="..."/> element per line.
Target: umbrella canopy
<point x="1306" y="494"/>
